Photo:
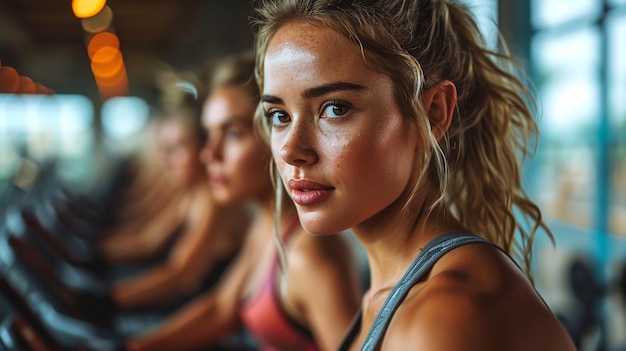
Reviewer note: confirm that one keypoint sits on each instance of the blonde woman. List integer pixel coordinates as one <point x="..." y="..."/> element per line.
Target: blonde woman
<point x="392" y="119"/>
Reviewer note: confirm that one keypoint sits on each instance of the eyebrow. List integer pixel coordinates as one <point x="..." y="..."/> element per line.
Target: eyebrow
<point x="234" y="120"/>
<point x="318" y="91"/>
<point x="230" y="121"/>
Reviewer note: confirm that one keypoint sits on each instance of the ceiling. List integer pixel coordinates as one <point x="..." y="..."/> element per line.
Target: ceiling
<point x="44" y="41"/>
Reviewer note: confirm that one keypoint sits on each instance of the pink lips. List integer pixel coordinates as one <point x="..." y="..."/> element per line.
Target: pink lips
<point x="217" y="180"/>
<point x="305" y="192"/>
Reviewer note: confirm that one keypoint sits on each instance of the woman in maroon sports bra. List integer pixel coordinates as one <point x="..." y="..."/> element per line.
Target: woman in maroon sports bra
<point x="309" y="305"/>
<point x="392" y="119"/>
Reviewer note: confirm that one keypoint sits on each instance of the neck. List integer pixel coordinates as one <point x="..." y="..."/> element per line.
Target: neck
<point x="197" y="178"/>
<point x="402" y="233"/>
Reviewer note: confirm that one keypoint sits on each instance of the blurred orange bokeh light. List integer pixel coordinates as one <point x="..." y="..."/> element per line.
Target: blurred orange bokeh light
<point x="103" y="48"/>
<point x="100" y="40"/>
<point x="87" y="8"/>
<point x="9" y="80"/>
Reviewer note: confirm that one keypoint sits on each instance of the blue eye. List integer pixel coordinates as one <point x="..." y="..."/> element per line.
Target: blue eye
<point x="277" y="118"/>
<point x="335" y="110"/>
<point x="233" y="133"/>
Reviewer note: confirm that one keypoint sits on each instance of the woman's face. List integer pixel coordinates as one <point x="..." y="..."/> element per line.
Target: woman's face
<point x="179" y="151"/>
<point x="236" y="160"/>
<point x="341" y="144"/>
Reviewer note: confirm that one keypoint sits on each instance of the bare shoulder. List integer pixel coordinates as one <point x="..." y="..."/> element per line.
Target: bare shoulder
<point x="322" y="265"/>
<point x="475" y="298"/>
<point x="311" y="252"/>
<point x="323" y="285"/>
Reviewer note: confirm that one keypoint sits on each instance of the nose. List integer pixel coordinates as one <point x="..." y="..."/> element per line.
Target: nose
<point x="297" y="144"/>
<point x="211" y="151"/>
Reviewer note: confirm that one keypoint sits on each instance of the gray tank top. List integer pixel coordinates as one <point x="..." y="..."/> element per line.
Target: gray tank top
<point x="427" y="257"/>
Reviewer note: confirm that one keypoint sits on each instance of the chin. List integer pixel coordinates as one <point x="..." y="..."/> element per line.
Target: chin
<point x="317" y="225"/>
<point x="221" y="197"/>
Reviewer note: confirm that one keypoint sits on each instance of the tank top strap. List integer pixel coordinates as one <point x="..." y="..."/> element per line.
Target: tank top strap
<point x="424" y="261"/>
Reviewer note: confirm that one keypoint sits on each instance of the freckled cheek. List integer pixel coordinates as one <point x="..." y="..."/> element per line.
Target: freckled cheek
<point x="338" y="143"/>
<point x="384" y="151"/>
<point x="346" y="153"/>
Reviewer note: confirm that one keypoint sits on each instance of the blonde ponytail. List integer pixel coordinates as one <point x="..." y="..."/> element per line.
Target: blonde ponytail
<point x="419" y="43"/>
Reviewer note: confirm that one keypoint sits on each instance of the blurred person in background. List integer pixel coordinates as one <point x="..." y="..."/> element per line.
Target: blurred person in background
<point x="300" y="295"/>
<point x="145" y="189"/>
<point x="194" y="237"/>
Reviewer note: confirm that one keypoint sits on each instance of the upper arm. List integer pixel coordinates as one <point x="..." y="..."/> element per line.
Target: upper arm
<point x="230" y="289"/>
<point x="443" y="320"/>
<point x="160" y="227"/>
<point x="215" y="314"/>
<point x="136" y="241"/>
<point x="475" y="300"/>
<point x="191" y="255"/>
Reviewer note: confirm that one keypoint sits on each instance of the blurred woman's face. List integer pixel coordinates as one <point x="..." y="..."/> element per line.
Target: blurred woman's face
<point x="179" y="151"/>
<point x="236" y="160"/>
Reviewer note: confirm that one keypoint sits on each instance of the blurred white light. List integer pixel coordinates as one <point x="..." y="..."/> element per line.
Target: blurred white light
<point x="124" y="117"/>
<point x="99" y="22"/>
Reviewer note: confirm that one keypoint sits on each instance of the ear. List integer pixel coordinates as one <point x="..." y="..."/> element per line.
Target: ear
<point x="439" y="103"/>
